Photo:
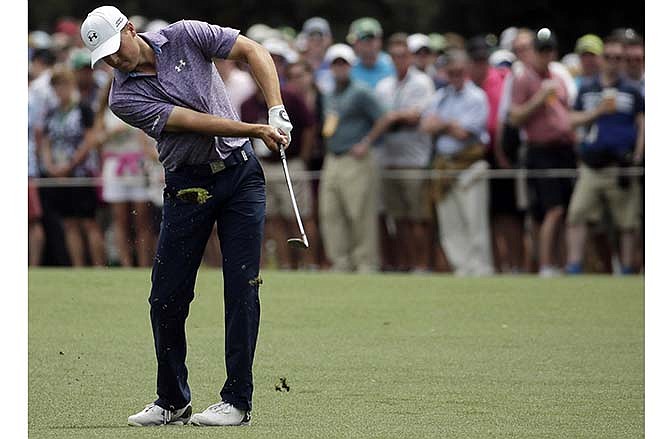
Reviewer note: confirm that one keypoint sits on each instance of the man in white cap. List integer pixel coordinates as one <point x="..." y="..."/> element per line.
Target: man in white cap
<point x="165" y="84"/>
<point x="348" y="188"/>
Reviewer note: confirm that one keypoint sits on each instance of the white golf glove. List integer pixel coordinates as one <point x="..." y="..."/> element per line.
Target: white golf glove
<point x="278" y="118"/>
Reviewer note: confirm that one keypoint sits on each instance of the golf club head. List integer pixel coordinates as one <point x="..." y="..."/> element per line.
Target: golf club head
<point x="297" y="243"/>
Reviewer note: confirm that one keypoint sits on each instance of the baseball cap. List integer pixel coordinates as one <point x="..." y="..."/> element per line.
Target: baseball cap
<point x="80" y="58"/>
<point x="343" y="51"/>
<point x="366" y="27"/>
<point x="545" y="39"/>
<point x="38" y="39"/>
<point x="502" y="57"/>
<point x="437" y="42"/>
<point x="101" y="31"/>
<point x="278" y="47"/>
<point x="589" y="43"/>
<point x="416" y="42"/>
<point x="316" y="25"/>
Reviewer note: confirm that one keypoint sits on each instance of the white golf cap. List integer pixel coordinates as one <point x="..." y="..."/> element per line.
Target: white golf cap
<point x="416" y="42"/>
<point x="339" y="50"/>
<point x="101" y="31"/>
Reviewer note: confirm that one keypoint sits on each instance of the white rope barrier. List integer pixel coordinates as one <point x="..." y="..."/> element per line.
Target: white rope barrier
<point x="406" y="174"/>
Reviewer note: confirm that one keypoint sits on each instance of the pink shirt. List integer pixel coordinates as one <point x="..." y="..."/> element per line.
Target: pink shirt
<point x="550" y="123"/>
<point x="493" y="87"/>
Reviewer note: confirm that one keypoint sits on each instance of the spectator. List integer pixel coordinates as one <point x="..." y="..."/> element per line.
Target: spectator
<point x="589" y="48"/>
<point x="405" y="95"/>
<point x="372" y="65"/>
<point x="540" y="106"/>
<point x="634" y="58"/>
<point x="506" y="217"/>
<point x="36" y="236"/>
<point x="67" y="151"/>
<point x="457" y="117"/>
<point x="348" y="192"/>
<point x="611" y="109"/>
<point x="424" y="56"/>
<point x="318" y="38"/>
<point x="301" y="79"/>
<point x="126" y="151"/>
<point x="89" y="91"/>
<point x="280" y="220"/>
<point x="282" y="55"/>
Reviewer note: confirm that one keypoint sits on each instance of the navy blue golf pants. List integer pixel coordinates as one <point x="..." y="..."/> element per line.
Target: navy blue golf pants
<point x="237" y="204"/>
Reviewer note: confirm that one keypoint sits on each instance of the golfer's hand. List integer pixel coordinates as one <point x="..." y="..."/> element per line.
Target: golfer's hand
<point x="278" y="118"/>
<point x="271" y="137"/>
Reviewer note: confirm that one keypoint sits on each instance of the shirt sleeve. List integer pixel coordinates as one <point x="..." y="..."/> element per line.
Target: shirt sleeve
<point x="214" y="41"/>
<point x="433" y="103"/>
<point x="475" y="116"/>
<point x="144" y="113"/>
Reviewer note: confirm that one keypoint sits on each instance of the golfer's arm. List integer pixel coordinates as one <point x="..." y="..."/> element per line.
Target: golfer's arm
<point x="186" y="120"/>
<point x="262" y="68"/>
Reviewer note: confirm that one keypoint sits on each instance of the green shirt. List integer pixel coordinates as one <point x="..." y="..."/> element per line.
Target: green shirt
<point x="357" y="109"/>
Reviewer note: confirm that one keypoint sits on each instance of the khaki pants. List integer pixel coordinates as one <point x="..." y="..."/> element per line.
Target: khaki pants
<point x="277" y="196"/>
<point x="463" y="220"/>
<point x="348" y="198"/>
<point x="596" y="190"/>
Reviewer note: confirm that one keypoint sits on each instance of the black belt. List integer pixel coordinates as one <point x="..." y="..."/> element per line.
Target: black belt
<point x="239" y="155"/>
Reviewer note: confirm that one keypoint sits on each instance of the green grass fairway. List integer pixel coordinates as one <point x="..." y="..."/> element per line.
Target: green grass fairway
<point x="369" y="356"/>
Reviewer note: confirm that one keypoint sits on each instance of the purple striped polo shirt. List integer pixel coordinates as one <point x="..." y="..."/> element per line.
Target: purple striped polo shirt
<point x="185" y="77"/>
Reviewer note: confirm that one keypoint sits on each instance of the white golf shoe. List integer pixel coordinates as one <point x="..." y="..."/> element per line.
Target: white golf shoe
<point x="221" y="413"/>
<point x="156" y="415"/>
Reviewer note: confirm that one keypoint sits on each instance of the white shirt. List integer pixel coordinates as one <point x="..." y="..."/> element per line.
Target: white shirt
<point x="406" y="147"/>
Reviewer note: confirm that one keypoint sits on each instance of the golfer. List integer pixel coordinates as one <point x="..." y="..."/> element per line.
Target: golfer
<point x="166" y="84"/>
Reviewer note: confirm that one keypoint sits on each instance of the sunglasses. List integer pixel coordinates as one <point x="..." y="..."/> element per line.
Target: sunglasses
<point x="634" y="59"/>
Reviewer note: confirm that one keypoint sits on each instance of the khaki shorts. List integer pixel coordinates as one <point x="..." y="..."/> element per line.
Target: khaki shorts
<point x="278" y="199"/>
<point x="406" y="198"/>
<point x="596" y="190"/>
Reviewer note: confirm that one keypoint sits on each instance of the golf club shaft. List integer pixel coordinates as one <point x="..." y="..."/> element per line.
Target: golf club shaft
<point x="282" y="154"/>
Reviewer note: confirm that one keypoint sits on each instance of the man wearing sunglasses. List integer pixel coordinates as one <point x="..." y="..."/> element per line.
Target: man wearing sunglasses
<point x="610" y="109"/>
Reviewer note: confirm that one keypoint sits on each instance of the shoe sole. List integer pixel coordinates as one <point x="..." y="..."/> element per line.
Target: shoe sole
<point x="244" y="423"/>
<point x="198" y="424"/>
<point x="177" y="422"/>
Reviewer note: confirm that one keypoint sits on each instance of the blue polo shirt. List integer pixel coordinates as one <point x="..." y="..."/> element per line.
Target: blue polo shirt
<point x="371" y="76"/>
<point x="185" y="77"/>
<point x="613" y="135"/>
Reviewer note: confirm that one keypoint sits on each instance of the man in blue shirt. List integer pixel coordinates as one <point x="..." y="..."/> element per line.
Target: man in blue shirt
<point x="610" y="110"/>
<point x="372" y="65"/>
<point x="457" y="117"/>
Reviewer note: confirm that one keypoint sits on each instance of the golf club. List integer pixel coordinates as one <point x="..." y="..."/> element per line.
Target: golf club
<point x="293" y="242"/>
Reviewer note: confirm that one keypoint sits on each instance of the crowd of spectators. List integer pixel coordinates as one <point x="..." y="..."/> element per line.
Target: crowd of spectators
<point x="380" y="122"/>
